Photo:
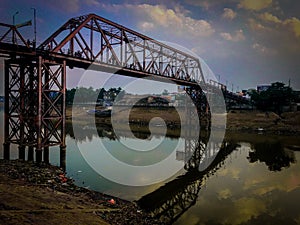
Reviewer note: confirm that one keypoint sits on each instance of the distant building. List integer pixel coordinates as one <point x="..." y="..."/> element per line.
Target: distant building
<point x="297" y="94"/>
<point x="1" y="98"/>
<point x="180" y="88"/>
<point x="261" y="88"/>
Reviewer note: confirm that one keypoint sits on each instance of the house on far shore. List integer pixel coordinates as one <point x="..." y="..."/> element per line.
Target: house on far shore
<point x="1" y="98"/>
<point x="262" y="87"/>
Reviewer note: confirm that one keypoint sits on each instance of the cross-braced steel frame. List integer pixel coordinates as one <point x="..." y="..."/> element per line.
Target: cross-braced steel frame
<point x="35" y="93"/>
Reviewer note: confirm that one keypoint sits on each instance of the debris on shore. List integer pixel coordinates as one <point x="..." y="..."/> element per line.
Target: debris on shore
<point x="45" y="176"/>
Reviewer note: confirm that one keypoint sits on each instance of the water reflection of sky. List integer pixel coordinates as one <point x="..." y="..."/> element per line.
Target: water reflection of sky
<point x="248" y="193"/>
<point x="116" y="162"/>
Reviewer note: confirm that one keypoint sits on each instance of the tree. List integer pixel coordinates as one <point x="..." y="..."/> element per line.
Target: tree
<point x="84" y="95"/>
<point x="165" y="92"/>
<point x="101" y="93"/>
<point x="274" y="98"/>
<point x="272" y="154"/>
<point x="70" y="96"/>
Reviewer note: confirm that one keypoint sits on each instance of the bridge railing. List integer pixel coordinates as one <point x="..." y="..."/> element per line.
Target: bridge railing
<point x="228" y="94"/>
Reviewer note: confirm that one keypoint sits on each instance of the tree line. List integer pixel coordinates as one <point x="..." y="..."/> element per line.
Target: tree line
<point x="274" y="98"/>
<point x="84" y="94"/>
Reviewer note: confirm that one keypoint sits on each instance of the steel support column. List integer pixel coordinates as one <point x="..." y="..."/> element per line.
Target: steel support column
<point x="6" y="144"/>
<point x="63" y="117"/>
<point x="21" y="113"/>
<point x="38" y="119"/>
<point x="35" y="90"/>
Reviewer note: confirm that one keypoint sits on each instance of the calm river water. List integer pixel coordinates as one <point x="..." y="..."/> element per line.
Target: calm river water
<point x="254" y="179"/>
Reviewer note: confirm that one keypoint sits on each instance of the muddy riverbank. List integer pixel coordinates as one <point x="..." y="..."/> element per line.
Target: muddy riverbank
<point x="44" y="194"/>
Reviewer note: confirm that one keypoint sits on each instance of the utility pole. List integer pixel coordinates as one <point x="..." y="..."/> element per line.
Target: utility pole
<point x="14" y="23"/>
<point x="34" y="21"/>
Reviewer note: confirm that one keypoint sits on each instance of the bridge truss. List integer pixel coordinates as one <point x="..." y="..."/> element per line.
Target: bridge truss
<point x="91" y="38"/>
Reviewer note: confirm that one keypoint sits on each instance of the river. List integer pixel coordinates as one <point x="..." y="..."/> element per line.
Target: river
<point x="254" y="178"/>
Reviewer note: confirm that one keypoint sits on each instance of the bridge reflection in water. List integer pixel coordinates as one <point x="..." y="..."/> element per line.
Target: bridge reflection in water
<point x="170" y="201"/>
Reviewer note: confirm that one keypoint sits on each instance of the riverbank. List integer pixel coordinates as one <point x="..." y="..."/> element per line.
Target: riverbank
<point x="43" y="194"/>
<point x="263" y="122"/>
<point x="249" y="121"/>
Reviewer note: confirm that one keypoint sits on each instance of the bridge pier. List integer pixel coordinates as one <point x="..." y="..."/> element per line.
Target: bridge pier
<point x="6" y="151"/>
<point x="62" y="157"/>
<point x="30" y="153"/>
<point x="38" y="156"/>
<point x="35" y="89"/>
<point x="200" y="101"/>
<point x="21" y="152"/>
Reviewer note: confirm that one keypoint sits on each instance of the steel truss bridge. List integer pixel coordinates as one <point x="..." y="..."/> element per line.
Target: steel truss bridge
<point x="35" y="76"/>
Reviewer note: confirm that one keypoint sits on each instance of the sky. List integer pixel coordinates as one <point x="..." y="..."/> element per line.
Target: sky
<point x="244" y="42"/>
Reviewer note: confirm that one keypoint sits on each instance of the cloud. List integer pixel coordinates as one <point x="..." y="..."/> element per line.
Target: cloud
<point x="238" y="36"/>
<point x="174" y="20"/>
<point x="255" y="5"/>
<point x="268" y="17"/>
<point x="92" y="2"/>
<point x="204" y="4"/>
<point x="256" y="26"/>
<point x="209" y="4"/>
<point x="247" y="208"/>
<point x="262" y="49"/>
<point x="294" y="24"/>
<point x="146" y="26"/>
<point x="229" y="14"/>
<point x="224" y="194"/>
